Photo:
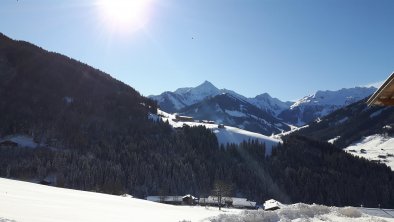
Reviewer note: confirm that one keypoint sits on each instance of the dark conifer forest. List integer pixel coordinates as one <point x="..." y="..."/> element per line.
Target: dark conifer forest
<point x="95" y="135"/>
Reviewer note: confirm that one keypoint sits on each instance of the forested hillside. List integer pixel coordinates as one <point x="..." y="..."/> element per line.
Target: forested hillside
<point x="318" y="172"/>
<point x="94" y="132"/>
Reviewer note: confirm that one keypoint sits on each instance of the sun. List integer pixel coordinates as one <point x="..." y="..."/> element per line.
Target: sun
<point x="125" y="14"/>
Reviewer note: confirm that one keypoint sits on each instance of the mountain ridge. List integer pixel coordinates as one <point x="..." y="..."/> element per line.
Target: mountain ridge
<point x="185" y="96"/>
<point x="298" y="113"/>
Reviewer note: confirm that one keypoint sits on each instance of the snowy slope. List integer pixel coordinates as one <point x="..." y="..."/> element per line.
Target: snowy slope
<point x="225" y="135"/>
<point x="375" y="147"/>
<point x="28" y="202"/>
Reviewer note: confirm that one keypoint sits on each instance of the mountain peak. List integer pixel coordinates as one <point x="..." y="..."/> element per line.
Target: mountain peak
<point x="264" y="96"/>
<point x="206" y="85"/>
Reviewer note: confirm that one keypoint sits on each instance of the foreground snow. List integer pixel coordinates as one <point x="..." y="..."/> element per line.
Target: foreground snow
<point x="29" y="202"/>
<point x="22" y="201"/>
<point x="225" y="135"/>
<point x="303" y="212"/>
<point x="375" y="147"/>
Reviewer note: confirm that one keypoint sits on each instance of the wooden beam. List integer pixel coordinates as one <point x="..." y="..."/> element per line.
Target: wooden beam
<point x="386" y="102"/>
<point x="384" y="91"/>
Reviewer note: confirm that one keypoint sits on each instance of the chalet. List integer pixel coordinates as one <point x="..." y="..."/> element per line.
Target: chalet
<point x="8" y="143"/>
<point x="207" y="121"/>
<point x="221" y="126"/>
<point x="213" y="201"/>
<point x="235" y="202"/>
<point x="384" y="96"/>
<point x="174" y="200"/>
<point x="243" y="203"/>
<point x="272" y="204"/>
<point x="183" y="118"/>
<point x="189" y="200"/>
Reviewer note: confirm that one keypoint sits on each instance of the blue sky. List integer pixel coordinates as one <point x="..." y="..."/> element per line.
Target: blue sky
<point x="288" y="48"/>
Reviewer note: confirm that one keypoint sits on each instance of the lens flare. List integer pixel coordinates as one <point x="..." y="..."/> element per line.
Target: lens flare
<point x="128" y="15"/>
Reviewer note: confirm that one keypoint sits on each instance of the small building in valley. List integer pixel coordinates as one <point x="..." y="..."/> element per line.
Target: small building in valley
<point x="234" y="202"/>
<point x="272" y="204"/>
<point x="8" y="143"/>
<point x="183" y="118"/>
<point x="174" y="200"/>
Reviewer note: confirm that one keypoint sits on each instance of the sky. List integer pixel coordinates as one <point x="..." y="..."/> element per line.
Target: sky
<point x="287" y="48"/>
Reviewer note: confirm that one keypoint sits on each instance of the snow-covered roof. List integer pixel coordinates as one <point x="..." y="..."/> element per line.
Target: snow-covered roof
<point x="243" y="202"/>
<point x="165" y="198"/>
<point x="189" y="196"/>
<point x="271" y="204"/>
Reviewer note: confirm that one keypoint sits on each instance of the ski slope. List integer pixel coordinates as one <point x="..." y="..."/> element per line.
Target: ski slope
<point x="29" y="202"/>
<point x="224" y="135"/>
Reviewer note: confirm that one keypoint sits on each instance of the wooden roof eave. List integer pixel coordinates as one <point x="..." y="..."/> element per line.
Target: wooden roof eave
<point x="377" y="98"/>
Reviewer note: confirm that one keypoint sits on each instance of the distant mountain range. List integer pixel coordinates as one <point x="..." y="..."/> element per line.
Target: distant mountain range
<point x="322" y="103"/>
<point x="263" y="113"/>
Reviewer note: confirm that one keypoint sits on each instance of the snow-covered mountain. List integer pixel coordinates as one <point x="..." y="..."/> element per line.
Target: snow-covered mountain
<point x="323" y="103"/>
<point x="183" y="97"/>
<point x="191" y="101"/>
<point x="207" y="102"/>
<point x="235" y="111"/>
<point x="269" y="104"/>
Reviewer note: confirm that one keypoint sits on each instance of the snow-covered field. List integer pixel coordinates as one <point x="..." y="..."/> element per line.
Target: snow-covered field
<point x="29" y="202"/>
<point x="225" y="135"/>
<point x="375" y="147"/>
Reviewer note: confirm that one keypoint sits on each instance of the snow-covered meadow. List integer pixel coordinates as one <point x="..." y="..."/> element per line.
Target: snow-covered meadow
<point x="29" y="202"/>
<point x="225" y="135"/>
<point x="376" y="148"/>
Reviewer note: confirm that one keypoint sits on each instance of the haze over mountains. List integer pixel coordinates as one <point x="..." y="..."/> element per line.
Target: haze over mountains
<point x="263" y="113"/>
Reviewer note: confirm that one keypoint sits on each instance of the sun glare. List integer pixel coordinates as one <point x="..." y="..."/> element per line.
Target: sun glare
<point x="127" y="15"/>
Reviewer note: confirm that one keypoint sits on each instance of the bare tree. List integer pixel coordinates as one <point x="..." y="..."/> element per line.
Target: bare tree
<point x="221" y="189"/>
